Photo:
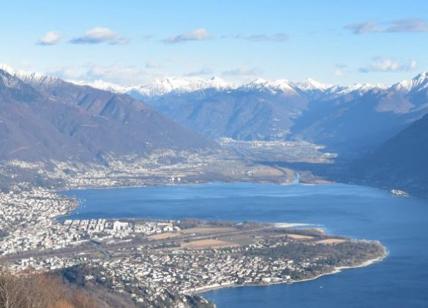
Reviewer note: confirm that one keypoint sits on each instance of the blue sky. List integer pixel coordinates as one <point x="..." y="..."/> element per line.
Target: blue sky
<point x="131" y="42"/>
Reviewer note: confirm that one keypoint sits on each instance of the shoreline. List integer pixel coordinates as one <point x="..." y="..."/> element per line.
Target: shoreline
<point x="191" y="183"/>
<point x="202" y="290"/>
<point x="60" y="190"/>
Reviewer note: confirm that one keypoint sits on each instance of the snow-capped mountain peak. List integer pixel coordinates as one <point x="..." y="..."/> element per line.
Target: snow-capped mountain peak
<point x="180" y="85"/>
<point x="310" y="84"/>
<point x="418" y="83"/>
<point x="356" y="87"/>
<point x="8" y="69"/>
<point x="282" y="85"/>
<point x="7" y="79"/>
<point x="30" y="77"/>
<point x="104" y="85"/>
<point x="190" y="84"/>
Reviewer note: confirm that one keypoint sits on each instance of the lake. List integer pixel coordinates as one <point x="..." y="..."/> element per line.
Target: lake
<point x="401" y="224"/>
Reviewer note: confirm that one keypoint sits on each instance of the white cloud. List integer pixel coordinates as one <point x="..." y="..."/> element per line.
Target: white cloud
<point x="201" y="72"/>
<point x="152" y="65"/>
<point x="277" y="37"/>
<point x="408" y="25"/>
<point x="200" y="34"/>
<point x="394" y="26"/>
<point x="99" y="35"/>
<point x="118" y="74"/>
<point x="340" y="70"/>
<point x="50" y="38"/>
<point x="240" y="71"/>
<point x="363" y="27"/>
<point x="380" y="64"/>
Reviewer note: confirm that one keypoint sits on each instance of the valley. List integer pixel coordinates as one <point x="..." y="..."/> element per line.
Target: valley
<point x="213" y="154"/>
<point x="262" y="132"/>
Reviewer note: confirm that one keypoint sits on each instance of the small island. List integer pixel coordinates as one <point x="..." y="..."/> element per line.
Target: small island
<point x="161" y="263"/>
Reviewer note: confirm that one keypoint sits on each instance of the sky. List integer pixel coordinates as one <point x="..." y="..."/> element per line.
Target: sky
<point x="132" y="42"/>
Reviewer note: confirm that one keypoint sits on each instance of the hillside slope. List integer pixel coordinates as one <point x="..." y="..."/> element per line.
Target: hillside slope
<point x="400" y="162"/>
<point x="244" y="114"/>
<point x="53" y="119"/>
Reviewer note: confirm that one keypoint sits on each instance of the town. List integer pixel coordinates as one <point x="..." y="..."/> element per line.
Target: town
<point x="233" y="161"/>
<point x="28" y="222"/>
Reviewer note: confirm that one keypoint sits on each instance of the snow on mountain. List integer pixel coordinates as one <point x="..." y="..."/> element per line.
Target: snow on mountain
<point x="183" y="85"/>
<point x="180" y="85"/>
<point x="281" y="85"/>
<point x="190" y="84"/>
<point x="7" y="80"/>
<point x="29" y="77"/>
<point x="418" y="83"/>
<point x="104" y="85"/>
<point x="168" y="85"/>
<point x="67" y="122"/>
<point x="360" y="87"/>
<point x="8" y="69"/>
<point x="311" y="85"/>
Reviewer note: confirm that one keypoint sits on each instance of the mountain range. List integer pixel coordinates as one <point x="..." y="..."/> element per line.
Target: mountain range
<point x="44" y="118"/>
<point x="380" y="132"/>
<point x="349" y="120"/>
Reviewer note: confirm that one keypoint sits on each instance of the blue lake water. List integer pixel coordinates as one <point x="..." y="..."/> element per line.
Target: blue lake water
<point x="401" y="224"/>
